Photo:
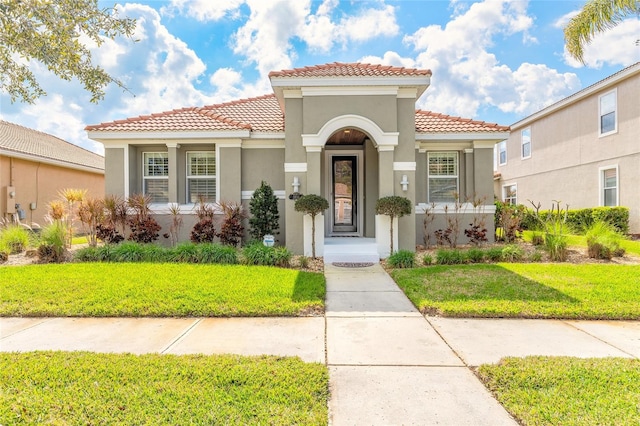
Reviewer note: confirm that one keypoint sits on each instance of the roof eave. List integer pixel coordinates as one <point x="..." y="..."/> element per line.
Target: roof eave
<point x="50" y="161"/>
<point x="463" y="136"/>
<point x="101" y="135"/>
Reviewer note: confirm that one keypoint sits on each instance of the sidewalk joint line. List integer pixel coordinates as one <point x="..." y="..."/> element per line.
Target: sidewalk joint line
<point x="181" y="336"/>
<point x="598" y="338"/>
<point x="30" y="327"/>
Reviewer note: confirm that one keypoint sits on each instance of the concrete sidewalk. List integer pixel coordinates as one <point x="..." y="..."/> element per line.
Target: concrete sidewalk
<point x="388" y="364"/>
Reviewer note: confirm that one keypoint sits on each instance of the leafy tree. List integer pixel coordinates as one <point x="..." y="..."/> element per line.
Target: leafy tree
<point x="55" y="33"/>
<point x="264" y="212"/>
<point x="393" y="206"/>
<point x="312" y="205"/>
<point x="595" y="17"/>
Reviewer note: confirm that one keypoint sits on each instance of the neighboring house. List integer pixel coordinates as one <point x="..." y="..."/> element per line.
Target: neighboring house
<point x="583" y="151"/>
<point x="347" y="132"/>
<point x="35" y="167"/>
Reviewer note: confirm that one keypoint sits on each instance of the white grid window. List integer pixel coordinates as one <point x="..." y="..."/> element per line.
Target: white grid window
<point x="525" y="136"/>
<point x="609" y="184"/>
<point x="502" y="153"/>
<point x="155" y="176"/>
<point x="510" y="194"/>
<point x="201" y="176"/>
<point x="443" y="177"/>
<point x="608" y="113"/>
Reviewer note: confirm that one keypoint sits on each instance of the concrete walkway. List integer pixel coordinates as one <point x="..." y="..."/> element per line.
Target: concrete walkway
<point x="388" y="364"/>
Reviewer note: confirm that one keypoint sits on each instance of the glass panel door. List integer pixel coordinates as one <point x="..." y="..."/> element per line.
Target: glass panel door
<point x="344" y="193"/>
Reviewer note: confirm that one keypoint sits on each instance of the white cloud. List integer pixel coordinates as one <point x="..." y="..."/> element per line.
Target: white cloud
<point x="616" y="46"/>
<point x="467" y="75"/>
<point x="564" y="19"/>
<point x="389" y="58"/>
<point x="369" y="24"/>
<point x="203" y="10"/>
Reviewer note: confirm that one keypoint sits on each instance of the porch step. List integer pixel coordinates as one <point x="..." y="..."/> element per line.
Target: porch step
<point x="350" y="250"/>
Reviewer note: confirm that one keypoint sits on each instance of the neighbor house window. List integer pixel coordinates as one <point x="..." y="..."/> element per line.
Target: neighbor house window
<point x="609" y="185"/>
<point x="525" y="136"/>
<point x="443" y="177"/>
<point x="510" y="194"/>
<point x="155" y="176"/>
<point x="201" y="176"/>
<point x="608" y="114"/>
<point x="502" y="153"/>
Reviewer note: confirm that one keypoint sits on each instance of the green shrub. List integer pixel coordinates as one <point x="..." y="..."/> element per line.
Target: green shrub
<point x="259" y="254"/>
<point x="475" y="255"/>
<point x="427" y="259"/>
<point x="53" y="247"/>
<point x="603" y="242"/>
<point x="128" y="251"/>
<point x="536" y="256"/>
<point x="556" y="246"/>
<point x="186" y="252"/>
<point x="579" y="220"/>
<point x="217" y="253"/>
<point x="15" y="238"/>
<point x="618" y="217"/>
<point x="154" y="253"/>
<point x="87" y="254"/>
<point x="494" y="254"/>
<point x="264" y="212"/>
<point x="402" y="259"/>
<point x="450" y="257"/>
<point x="303" y="262"/>
<point x="512" y="253"/>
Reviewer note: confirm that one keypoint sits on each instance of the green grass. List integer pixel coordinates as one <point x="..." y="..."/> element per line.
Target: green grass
<point x="587" y="291"/>
<point x="158" y="290"/>
<point x="84" y="388"/>
<point x="567" y="391"/>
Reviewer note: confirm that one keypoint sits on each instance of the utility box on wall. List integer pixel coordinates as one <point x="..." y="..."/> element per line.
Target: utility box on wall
<point x="9" y="196"/>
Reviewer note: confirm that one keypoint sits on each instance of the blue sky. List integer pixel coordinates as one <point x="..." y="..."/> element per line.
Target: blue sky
<point x="492" y="60"/>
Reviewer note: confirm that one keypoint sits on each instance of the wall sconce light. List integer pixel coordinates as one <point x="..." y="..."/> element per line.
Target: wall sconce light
<point x="296" y="184"/>
<point x="405" y="183"/>
<point x="12" y="194"/>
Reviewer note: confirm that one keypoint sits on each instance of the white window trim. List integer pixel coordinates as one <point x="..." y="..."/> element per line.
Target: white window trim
<point x="615" y="125"/>
<point x="216" y="152"/>
<point x="504" y="192"/>
<point x="601" y="171"/>
<point x="457" y="175"/>
<point x="522" y="144"/>
<point x="144" y="168"/>
<point x="505" y="153"/>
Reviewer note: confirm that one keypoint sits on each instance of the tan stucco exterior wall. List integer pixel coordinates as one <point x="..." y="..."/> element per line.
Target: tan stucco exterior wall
<point x="40" y="183"/>
<point x="567" y="154"/>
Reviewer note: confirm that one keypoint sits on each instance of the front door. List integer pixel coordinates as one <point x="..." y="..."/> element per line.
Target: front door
<point x="344" y="182"/>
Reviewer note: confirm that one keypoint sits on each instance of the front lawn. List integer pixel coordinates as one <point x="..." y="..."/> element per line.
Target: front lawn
<point x="531" y="290"/>
<point x="86" y="388"/>
<point x="158" y="290"/>
<point x="567" y="391"/>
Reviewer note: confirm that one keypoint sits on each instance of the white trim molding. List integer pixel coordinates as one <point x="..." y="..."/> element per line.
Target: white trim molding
<point x="295" y="167"/>
<point x="404" y="166"/>
<point x="601" y="187"/>
<point x="464" y="208"/>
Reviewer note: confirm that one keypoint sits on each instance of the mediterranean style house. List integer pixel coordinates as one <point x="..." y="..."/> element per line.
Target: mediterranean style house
<point x="36" y="166"/>
<point x="583" y="151"/>
<point x="347" y="132"/>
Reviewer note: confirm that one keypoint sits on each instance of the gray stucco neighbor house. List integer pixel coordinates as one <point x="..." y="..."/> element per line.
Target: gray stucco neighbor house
<point x="348" y="132"/>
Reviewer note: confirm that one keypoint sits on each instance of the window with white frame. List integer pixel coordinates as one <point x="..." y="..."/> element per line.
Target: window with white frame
<point x="502" y="153"/>
<point x="608" y="113"/>
<point x="155" y="176"/>
<point x="443" y="177"/>
<point x="525" y="137"/>
<point x="609" y="186"/>
<point x="201" y="176"/>
<point x="510" y="194"/>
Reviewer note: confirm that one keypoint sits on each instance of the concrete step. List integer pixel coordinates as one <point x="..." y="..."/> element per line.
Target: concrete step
<point x="351" y="250"/>
<point x="351" y="257"/>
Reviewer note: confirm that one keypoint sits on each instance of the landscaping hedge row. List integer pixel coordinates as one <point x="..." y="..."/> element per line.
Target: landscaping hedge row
<point x="579" y="220"/>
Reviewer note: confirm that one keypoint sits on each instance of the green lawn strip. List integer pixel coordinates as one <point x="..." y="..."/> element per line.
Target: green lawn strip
<point x="158" y="290"/>
<point x="567" y="391"/>
<point x="88" y="388"/>
<point x="531" y="290"/>
<point x="629" y="246"/>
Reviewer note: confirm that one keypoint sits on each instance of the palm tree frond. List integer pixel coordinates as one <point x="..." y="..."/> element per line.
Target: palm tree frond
<point x="595" y="17"/>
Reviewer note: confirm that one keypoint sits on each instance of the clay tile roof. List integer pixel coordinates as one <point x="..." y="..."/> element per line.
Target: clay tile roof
<point x="338" y="69"/>
<point x="432" y="122"/>
<point x="22" y="140"/>
<point x="261" y="114"/>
